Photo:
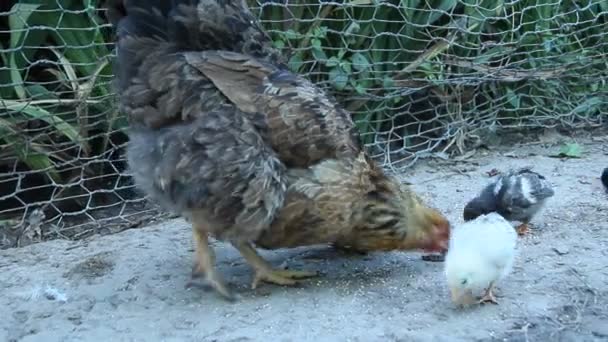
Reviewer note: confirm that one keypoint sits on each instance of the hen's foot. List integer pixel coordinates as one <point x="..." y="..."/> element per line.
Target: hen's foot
<point x="265" y="272"/>
<point x="212" y="280"/>
<point x="522" y="229"/>
<point x="204" y="264"/>
<point x="280" y="277"/>
<point x="488" y="298"/>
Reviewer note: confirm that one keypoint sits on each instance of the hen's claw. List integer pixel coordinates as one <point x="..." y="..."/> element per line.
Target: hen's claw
<point x="522" y="229"/>
<point x="280" y="277"/>
<point x="213" y="280"/>
<point x="264" y="271"/>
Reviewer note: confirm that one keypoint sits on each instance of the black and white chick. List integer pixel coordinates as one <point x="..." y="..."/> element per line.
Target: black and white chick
<point x="517" y="195"/>
<point x="605" y="178"/>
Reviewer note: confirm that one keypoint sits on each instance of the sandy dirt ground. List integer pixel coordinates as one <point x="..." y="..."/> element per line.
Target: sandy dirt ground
<point x="130" y="286"/>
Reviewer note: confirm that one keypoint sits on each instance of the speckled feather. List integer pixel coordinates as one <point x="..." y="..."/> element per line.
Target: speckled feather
<point x="352" y="202"/>
<point x="517" y="195"/>
<point x="193" y="148"/>
<point x="222" y="132"/>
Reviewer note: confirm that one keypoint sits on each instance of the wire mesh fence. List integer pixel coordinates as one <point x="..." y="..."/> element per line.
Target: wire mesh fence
<point x="419" y="76"/>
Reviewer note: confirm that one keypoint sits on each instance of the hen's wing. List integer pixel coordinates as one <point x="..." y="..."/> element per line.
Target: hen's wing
<point x="190" y="148"/>
<point x="217" y="166"/>
<point x="167" y="51"/>
<point x="305" y="125"/>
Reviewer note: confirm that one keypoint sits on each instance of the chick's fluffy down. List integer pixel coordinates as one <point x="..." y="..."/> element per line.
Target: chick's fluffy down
<point x="481" y="252"/>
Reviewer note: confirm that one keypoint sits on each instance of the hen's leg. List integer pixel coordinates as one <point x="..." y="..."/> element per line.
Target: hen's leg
<point x="264" y="271"/>
<point x="489" y="297"/>
<point x="204" y="263"/>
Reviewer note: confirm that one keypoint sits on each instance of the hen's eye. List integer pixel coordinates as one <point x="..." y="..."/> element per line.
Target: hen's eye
<point x="463" y="282"/>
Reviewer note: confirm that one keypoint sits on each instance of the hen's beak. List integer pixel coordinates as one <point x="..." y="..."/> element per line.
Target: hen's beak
<point x="460" y="297"/>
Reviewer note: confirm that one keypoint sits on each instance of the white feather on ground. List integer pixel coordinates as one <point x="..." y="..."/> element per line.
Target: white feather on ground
<point x="481" y="253"/>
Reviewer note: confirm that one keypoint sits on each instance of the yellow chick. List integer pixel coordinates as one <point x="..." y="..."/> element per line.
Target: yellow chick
<point x="480" y="253"/>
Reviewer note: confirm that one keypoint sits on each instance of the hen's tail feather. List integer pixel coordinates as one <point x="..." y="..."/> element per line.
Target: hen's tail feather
<point x="145" y="27"/>
<point x="194" y="25"/>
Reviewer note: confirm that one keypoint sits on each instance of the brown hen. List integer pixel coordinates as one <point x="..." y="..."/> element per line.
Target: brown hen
<point x="225" y="135"/>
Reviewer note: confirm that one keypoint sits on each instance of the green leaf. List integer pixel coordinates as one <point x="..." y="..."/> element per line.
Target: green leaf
<point x="388" y="82"/>
<point x="39" y="113"/>
<point x="497" y="51"/>
<point x="360" y="62"/>
<point x="279" y="44"/>
<point x="431" y="15"/>
<point x="346" y="66"/>
<point x="513" y="98"/>
<point x="359" y="88"/>
<point x="338" y="78"/>
<point x="589" y="105"/>
<point x="36" y="158"/>
<point x="332" y="61"/>
<point x="70" y="73"/>
<point x="570" y="150"/>
<point x="295" y="62"/>
<point x="38" y="92"/>
<point x="320" y="32"/>
<point x="39" y="161"/>
<point x="291" y="34"/>
<point x="18" y="24"/>
<point x="319" y="54"/>
<point x="80" y="35"/>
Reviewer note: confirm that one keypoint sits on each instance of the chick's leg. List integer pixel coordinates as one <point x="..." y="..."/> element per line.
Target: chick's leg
<point x="264" y="271"/>
<point x="204" y="263"/>
<point x="522" y="229"/>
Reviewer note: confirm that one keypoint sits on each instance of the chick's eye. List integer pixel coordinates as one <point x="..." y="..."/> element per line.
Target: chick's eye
<point x="463" y="282"/>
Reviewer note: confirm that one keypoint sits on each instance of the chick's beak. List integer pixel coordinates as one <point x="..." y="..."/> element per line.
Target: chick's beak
<point x="460" y="297"/>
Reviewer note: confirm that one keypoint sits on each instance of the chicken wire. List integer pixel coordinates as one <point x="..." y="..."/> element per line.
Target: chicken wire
<point x="419" y="76"/>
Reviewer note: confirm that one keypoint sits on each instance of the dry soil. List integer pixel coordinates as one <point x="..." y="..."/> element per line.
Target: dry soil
<point x="130" y="286"/>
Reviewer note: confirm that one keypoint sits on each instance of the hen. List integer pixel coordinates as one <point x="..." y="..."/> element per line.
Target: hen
<point x="252" y="154"/>
<point x="480" y="254"/>
<point x="518" y="196"/>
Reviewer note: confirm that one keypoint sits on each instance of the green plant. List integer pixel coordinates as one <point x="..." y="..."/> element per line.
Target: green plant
<point x="425" y="66"/>
<point x="56" y="110"/>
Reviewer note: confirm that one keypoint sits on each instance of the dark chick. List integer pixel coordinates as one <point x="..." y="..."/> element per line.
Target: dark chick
<point x="517" y="196"/>
<point x="605" y="178"/>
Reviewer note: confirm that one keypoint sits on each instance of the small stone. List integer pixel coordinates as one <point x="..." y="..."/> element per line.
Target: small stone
<point x="562" y="250"/>
<point x="21" y="316"/>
